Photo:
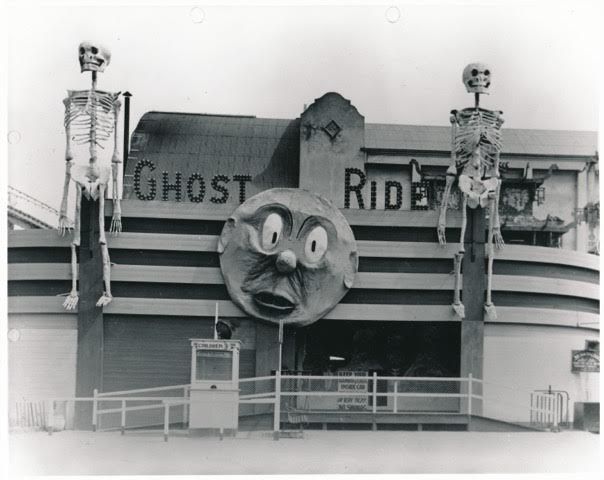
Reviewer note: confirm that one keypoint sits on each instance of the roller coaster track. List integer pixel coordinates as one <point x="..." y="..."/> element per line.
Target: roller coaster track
<point x="26" y="211"/>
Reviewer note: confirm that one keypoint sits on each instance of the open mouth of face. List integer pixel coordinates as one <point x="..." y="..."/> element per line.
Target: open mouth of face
<point x="276" y="303"/>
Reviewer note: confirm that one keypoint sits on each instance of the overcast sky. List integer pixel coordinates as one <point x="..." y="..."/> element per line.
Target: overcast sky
<point x="396" y="66"/>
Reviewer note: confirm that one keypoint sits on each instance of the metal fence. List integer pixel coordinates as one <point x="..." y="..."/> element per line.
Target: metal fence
<point x="294" y="399"/>
<point x="28" y="414"/>
<point x="142" y="407"/>
<point x="549" y="409"/>
<point x="363" y="393"/>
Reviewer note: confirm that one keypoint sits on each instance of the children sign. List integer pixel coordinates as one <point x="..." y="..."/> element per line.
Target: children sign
<point x="350" y="383"/>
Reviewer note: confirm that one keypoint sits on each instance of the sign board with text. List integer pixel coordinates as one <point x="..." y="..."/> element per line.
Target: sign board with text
<point x="353" y="385"/>
<point x="585" y="361"/>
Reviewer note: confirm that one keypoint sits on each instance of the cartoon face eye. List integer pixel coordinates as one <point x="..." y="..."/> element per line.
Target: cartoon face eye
<point x="316" y="244"/>
<point x="271" y="231"/>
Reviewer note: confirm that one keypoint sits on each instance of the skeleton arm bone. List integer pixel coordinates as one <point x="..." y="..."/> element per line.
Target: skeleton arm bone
<point x="63" y="220"/>
<point x="497" y="237"/>
<point x="116" y="220"/>
<point x="71" y="301"/>
<point x="442" y="217"/>
<point x="451" y="173"/>
<point x="64" y="224"/>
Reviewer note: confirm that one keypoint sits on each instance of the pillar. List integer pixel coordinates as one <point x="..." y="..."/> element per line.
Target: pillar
<point x="473" y="297"/>
<point x="89" y="373"/>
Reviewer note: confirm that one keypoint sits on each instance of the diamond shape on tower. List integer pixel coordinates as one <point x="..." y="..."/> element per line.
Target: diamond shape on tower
<point x="332" y="129"/>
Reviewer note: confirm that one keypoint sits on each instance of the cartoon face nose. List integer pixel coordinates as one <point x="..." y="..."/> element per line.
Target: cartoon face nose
<point x="286" y="261"/>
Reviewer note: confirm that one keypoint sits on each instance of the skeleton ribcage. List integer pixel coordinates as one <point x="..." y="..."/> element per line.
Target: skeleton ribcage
<point x="85" y="107"/>
<point x="478" y="128"/>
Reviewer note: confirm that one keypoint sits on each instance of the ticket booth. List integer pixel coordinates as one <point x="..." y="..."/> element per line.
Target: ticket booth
<point x="214" y="386"/>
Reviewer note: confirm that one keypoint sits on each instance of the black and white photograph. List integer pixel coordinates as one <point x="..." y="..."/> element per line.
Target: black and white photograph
<point x="292" y="238"/>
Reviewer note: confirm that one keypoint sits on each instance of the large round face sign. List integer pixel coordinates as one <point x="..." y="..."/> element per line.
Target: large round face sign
<point x="287" y="255"/>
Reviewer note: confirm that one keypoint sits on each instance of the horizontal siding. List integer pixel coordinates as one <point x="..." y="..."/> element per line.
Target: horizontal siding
<point x="203" y="275"/>
<point x="402" y="157"/>
<point x="36" y="239"/>
<point x="195" y="308"/>
<point x="157" y="210"/>
<point x="61" y="321"/>
<point x="530" y="300"/>
<point x="355" y="296"/>
<point x="397" y="280"/>
<point x="188" y="277"/>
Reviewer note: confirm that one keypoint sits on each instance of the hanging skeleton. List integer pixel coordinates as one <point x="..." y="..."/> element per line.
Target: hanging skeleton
<point x="475" y="148"/>
<point x="91" y="119"/>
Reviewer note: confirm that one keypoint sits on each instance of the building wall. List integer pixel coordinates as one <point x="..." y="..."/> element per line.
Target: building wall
<point x="561" y="201"/>
<point x="209" y="159"/>
<point x="164" y="269"/>
<point x="42" y="362"/>
<point x="166" y="278"/>
<point x="332" y="134"/>
<point x="520" y="359"/>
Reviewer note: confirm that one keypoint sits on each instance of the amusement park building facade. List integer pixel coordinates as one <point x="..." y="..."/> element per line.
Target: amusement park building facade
<point x="186" y="173"/>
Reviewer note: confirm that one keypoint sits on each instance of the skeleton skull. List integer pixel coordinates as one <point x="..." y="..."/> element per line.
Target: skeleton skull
<point x="477" y="78"/>
<point x="93" y="57"/>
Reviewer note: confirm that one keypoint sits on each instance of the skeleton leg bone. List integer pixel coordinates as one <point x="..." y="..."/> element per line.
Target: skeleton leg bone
<point x="497" y="237"/>
<point x="106" y="298"/>
<point x="457" y="305"/>
<point x="72" y="299"/>
<point x="442" y="217"/>
<point x="488" y="306"/>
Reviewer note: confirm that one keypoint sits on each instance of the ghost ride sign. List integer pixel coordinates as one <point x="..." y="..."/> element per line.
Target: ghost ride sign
<point x="220" y="188"/>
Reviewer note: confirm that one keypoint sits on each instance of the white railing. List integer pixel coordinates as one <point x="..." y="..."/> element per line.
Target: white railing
<point x="300" y="396"/>
<point x="263" y="390"/>
<point x="393" y="389"/>
<point x="125" y="396"/>
<point x="549" y="409"/>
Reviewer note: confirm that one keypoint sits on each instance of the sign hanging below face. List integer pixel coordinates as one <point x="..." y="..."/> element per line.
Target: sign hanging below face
<point x="287" y="255"/>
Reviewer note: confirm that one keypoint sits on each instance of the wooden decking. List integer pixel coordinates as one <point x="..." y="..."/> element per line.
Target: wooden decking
<point x="328" y="419"/>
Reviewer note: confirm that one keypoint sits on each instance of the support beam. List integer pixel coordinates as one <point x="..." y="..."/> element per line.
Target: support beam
<point x="473" y="297"/>
<point x="89" y="372"/>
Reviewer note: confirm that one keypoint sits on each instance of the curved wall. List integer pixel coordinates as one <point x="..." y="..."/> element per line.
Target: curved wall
<point x="533" y="357"/>
<point x="165" y="269"/>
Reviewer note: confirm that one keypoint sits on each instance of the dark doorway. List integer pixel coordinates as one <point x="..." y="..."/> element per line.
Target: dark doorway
<point x="415" y="349"/>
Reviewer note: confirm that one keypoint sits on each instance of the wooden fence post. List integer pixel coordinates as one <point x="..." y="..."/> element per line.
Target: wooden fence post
<point x="95" y="407"/>
<point x="166" y="420"/>
<point x="123" y="419"/>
